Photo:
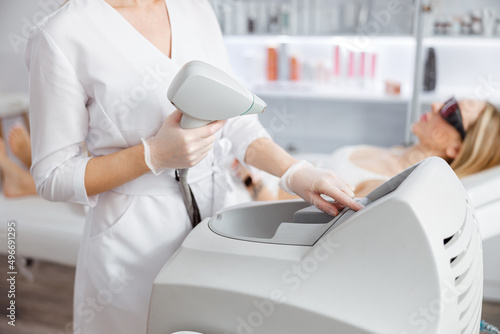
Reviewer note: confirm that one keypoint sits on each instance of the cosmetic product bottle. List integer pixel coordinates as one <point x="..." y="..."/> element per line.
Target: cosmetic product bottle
<point x="272" y="63"/>
<point x="327" y="73"/>
<point x="307" y="71"/>
<point x="333" y="20"/>
<point x="252" y="18"/>
<point x="477" y="22"/>
<point x="240" y="16"/>
<point x="317" y="18"/>
<point x="350" y="16"/>
<point x="320" y="73"/>
<point x="430" y="71"/>
<point x="336" y="65"/>
<point x="253" y="71"/>
<point x="429" y="25"/>
<point x="447" y="25"/>
<point x="455" y="26"/>
<point x="305" y="9"/>
<point x="438" y="25"/>
<point x="283" y="63"/>
<point x="392" y="87"/>
<point x="262" y="18"/>
<point x="373" y="71"/>
<point x="350" y="69"/>
<point x="294" y="68"/>
<point x="273" y="26"/>
<point x="361" y="69"/>
<point x="285" y="18"/>
<point x="489" y="21"/>
<point x="294" y="17"/>
<point x="466" y="28"/>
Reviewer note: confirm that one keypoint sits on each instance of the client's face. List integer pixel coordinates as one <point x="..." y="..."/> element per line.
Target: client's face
<point x="433" y="130"/>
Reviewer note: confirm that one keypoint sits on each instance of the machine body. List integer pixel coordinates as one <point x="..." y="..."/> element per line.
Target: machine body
<point x="409" y="262"/>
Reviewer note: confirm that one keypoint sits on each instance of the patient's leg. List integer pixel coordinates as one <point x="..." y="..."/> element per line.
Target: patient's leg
<point x="19" y="143"/>
<point x="16" y="181"/>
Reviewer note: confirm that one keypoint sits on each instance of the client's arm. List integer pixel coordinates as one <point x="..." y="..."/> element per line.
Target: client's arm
<point x="366" y="187"/>
<point x="303" y="179"/>
<point x="256" y="187"/>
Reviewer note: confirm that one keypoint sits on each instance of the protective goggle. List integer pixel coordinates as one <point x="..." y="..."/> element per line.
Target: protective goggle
<point x="451" y="114"/>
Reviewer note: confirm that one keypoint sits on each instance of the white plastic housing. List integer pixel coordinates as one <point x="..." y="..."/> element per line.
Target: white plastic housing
<point x="409" y="262"/>
<point x="205" y="93"/>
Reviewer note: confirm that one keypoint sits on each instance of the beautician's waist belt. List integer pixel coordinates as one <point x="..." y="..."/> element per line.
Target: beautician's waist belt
<point x="163" y="184"/>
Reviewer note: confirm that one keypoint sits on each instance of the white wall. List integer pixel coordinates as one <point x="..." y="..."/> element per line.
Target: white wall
<point x="16" y="19"/>
<point x="317" y="126"/>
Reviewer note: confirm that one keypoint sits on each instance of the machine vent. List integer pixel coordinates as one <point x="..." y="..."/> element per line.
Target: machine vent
<point x="464" y="251"/>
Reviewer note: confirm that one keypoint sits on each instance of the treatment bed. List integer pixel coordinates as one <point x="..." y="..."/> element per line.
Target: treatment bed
<point x="51" y="231"/>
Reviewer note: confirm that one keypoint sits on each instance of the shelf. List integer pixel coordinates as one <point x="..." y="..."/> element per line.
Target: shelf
<point x="360" y="42"/>
<point x="315" y="55"/>
<point x="441" y="96"/>
<point x="304" y="91"/>
<point x="316" y="37"/>
<point x="461" y="40"/>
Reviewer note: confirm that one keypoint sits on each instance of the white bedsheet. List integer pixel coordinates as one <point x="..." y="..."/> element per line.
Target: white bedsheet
<point x="44" y="230"/>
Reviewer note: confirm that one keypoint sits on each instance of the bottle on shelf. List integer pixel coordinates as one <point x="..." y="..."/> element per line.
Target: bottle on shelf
<point x="294" y="17"/>
<point x="272" y="63"/>
<point x="284" y="63"/>
<point x="295" y="72"/>
<point x="336" y="65"/>
<point x="430" y="70"/>
<point x="345" y="69"/>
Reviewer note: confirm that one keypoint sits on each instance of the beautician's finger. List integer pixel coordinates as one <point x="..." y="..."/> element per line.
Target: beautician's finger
<point x="339" y="206"/>
<point x="337" y="185"/>
<point x="198" y="160"/>
<point x="346" y="189"/>
<point x="352" y="188"/>
<point x="335" y="181"/>
<point x="211" y="129"/>
<point x="324" y="205"/>
<point x="207" y="141"/>
<point x="175" y="116"/>
<point x="205" y="149"/>
<point x="342" y="198"/>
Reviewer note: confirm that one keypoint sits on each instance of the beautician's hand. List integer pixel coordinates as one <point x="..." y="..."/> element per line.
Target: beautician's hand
<point x="310" y="182"/>
<point x="175" y="147"/>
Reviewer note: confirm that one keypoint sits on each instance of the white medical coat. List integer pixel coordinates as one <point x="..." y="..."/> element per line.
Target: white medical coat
<point x="94" y="79"/>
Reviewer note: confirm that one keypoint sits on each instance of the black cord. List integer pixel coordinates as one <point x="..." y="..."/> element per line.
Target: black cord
<point x="188" y="197"/>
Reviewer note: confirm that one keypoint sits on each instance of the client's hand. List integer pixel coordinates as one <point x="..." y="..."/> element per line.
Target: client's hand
<point x="310" y="183"/>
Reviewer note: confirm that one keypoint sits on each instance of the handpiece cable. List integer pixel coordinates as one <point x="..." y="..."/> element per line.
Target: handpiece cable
<point x="188" y="197"/>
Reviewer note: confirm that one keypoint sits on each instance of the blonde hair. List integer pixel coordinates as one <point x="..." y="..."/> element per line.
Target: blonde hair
<point x="480" y="149"/>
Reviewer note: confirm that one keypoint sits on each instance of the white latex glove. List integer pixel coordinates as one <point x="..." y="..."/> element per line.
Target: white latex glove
<point x="309" y="182"/>
<point x="175" y="147"/>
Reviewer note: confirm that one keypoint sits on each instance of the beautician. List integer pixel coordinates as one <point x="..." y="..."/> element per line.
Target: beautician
<point x="99" y="73"/>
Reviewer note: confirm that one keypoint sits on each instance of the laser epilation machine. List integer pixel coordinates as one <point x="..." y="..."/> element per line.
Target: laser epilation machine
<point x="409" y="262"/>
